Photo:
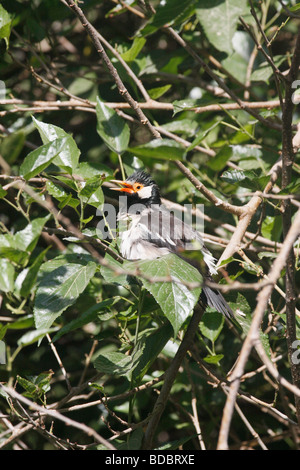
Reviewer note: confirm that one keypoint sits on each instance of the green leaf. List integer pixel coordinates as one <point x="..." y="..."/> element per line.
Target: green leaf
<point x="135" y="49"/>
<point x="12" y="145"/>
<point x="135" y="439"/>
<point x="265" y="71"/>
<point x="295" y="7"/>
<point x="114" y="275"/>
<point x="112" y="128"/>
<point x="219" y="20"/>
<point x="292" y="188"/>
<point x="201" y="135"/>
<point x="7" y="274"/>
<point x="157" y="92"/>
<point x="26" y="279"/>
<point x="211" y="324"/>
<point x="27" y="238"/>
<point x="150" y="343"/>
<point x="13" y="254"/>
<point x="61" y="281"/>
<point x="88" y="316"/>
<point x="182" y="126"/>
<point x="2" y="358"/>
<point x="170" y="12"/>
<point x="3" y="192"/>
<point x="33" y="336"/>
<point x="220" y="160"/>
<point x="246" y="179"/>
<point x="18" y="246"/>
<point x="213" y="358"/>
<point x="244" y="318"/>
<point x="91" y="169"/>
<point x="25" y="321"/>
<point x="271" y="227"/>
<point x="41" y="158"/>
<point x="115" y="363"/>
<point x="176" y="299"/>
<point x="165" y="149"/>
<point x="61" y="194"/>
<point x="69" y="155"/>
<point x="36" y="386"/>
<point x="91" y="192"/>
<point x="183" y="105"/>
<point x="5" y="25"/>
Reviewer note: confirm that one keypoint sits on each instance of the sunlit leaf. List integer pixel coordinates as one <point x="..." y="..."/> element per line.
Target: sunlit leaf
<point x="112" y="128"/>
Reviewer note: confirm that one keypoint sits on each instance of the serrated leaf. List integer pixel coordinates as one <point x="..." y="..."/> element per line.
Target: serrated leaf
<point x="219" y="21"/>
<point x="7" y="273"/>
<point x="112" y="128"/>
<point x="165" y="149"/>
<point x="17" y="247"/>
<point x="271" y="227"/>
<point x="91" y="169"/>
<point x="86" y="317"/>
<point x="135" y="49"/>
<point x="59" y="285"/>
<point x="220" y="160"/>
<point x="27" y="238"/>
<point x="68" y="157"/>
<point x="115" y="363"/>
<point x="3" y="192"/>
<point x="2" y="360"/>
<point x="264" y="71"/>
<point x="36" y="386"/>
<point x="26" y="278"/>
<point x="213" y="359"/>
<point x="175" y="298"/>
<point x="61" y="195"/>
<point x="5" y="25"/>
<point x="169" y="12"/>
<point x="246" y="179"/>
<point x="157" y="92"/>
<point x="91" y="192"/>
<point x="40" y="158"/>
<point x="150" y="343"/>
<point x="114" y="275"/>
<point x="211" y="325"/>
<point x="244" y="318"/>
<point x="189" y="103"/>
<point x="33" y="336"/>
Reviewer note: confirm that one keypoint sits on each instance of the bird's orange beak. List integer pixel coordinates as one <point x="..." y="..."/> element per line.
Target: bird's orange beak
<point x="127" y="187"/>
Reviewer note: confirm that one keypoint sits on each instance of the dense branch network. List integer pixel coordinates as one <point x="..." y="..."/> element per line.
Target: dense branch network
<point x="241" y="237"/>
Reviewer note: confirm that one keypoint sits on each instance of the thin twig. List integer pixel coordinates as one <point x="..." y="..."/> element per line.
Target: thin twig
<point x="253" y="339"/>
<point x="56" y="415"/>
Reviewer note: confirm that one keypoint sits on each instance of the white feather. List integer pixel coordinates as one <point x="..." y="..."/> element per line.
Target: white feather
<point x="145" y="193"/>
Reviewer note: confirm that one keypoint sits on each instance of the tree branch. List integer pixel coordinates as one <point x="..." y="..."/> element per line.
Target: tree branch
<point x="170" y="376"/>
<point x="93" y="34"/>
<point x="287" y="162"/>
<point x="252" y="337"/>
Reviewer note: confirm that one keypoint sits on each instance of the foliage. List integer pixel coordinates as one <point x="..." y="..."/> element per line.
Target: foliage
<point x="91" y="336"/>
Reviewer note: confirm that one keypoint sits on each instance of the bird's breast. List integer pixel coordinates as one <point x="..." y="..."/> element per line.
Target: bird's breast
<point x="135" y="243"/>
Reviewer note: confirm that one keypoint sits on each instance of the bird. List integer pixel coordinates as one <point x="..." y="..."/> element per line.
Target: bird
<point x="148" y="230"/>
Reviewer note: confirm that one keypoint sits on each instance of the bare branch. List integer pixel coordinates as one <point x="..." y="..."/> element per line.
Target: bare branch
<point x="253" y="335"/>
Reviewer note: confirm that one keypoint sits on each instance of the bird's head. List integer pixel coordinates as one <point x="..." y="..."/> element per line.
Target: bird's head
<point x="139" y="188"/>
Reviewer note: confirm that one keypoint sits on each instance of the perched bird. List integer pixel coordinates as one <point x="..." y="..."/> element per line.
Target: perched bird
<point x="148" y="231"/>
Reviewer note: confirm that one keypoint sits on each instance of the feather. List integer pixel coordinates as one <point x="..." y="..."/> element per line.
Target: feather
<point x="149" y="231"/>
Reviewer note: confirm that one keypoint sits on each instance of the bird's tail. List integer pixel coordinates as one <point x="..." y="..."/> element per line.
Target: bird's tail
<point x="213" y="298"/>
